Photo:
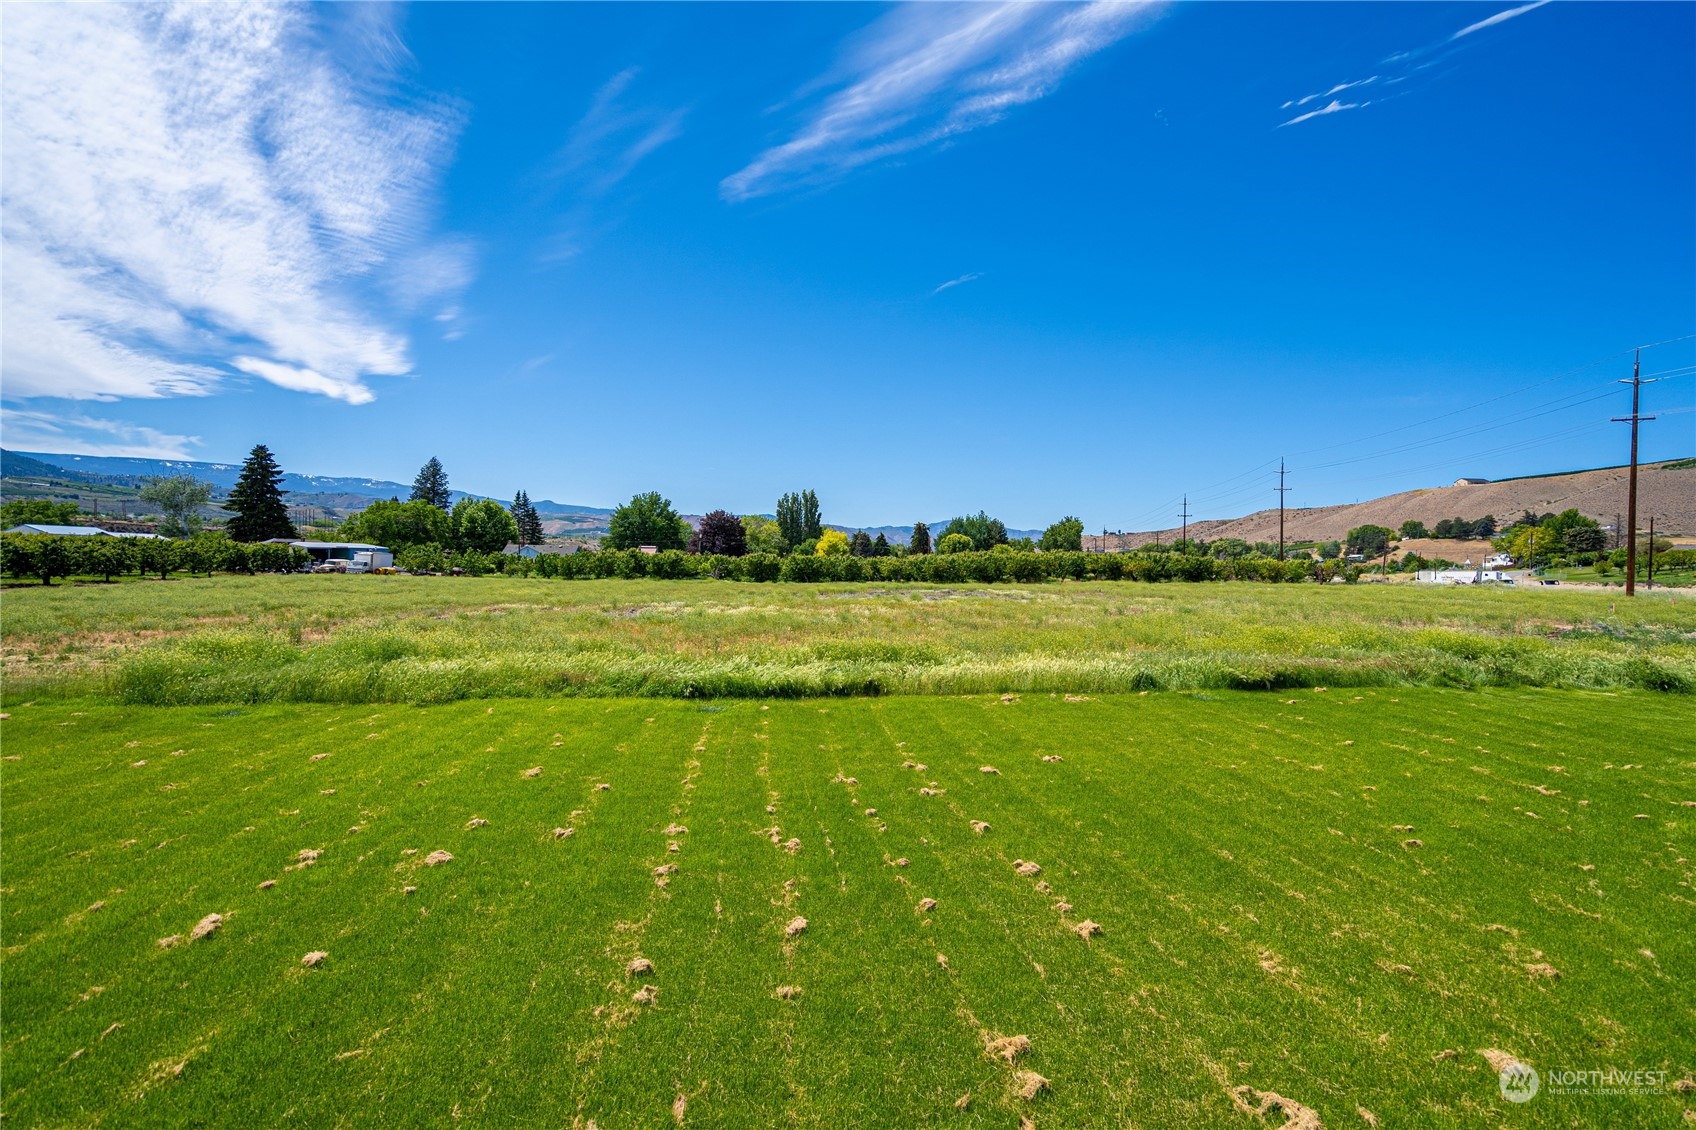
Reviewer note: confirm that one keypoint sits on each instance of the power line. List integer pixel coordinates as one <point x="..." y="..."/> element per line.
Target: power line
<point x="1636" y="382"/>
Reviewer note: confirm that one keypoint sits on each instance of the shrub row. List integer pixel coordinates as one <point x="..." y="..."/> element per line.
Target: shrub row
<point x="951" y="568"/>
<point x="45" y="556"/>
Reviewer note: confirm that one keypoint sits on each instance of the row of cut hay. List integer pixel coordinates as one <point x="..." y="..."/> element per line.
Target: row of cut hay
<point x="254" y="668"/>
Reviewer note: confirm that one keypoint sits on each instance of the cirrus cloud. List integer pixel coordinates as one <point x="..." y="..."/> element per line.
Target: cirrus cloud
<point x="186" y="185"/>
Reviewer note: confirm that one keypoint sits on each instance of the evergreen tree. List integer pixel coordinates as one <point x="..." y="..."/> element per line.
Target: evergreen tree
<point x="256" y="501"/>
<point x="529" y="521"/>
<point x="880" y="547"/>
<point x="920" y="542"/>
<point x="860" y="545"/>
<point x="431" y="485"/>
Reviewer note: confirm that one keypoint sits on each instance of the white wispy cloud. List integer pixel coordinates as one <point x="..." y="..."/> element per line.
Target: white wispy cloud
<point x="32" y="430"/>
<point x="614" y="135"/>
<point x="1499" y="17"/>
<point x="957" y="282"/>
<point x="1402" y="65"/>
<point x="927" y="72"/>
<point x="1333" y="107"/>
<point x="187" y="185"/>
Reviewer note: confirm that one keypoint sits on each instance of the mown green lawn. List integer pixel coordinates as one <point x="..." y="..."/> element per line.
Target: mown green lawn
<point x="1264" y="922"/>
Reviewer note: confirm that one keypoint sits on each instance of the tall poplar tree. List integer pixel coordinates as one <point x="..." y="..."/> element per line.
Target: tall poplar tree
<point x="256" y="501"/>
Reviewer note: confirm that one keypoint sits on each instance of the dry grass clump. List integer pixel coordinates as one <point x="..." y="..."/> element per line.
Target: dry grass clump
<point x="1026" y="868"/>
<point x="903" y="862"/>
<point x="792" y="846"/>
<point x="437" y="857"/>
<point x="926" y="905"/>
<point x="1008" y="1048"/>
<point x="1498" y="1059"/>
<point x="1296" y="1115"/>
<point x="678" y="1106"/>
<point x="1411" y="844"/>
<point x="1366" y="1116"/>
<point x="638" y="966"/>
<point x="533" y="771"/>
<point x="980" y="826"/>
<point x="989" y="769"/>
<point x="318" y="757"/>
<point x="476" y="822"/>
<point x="602" y="787"/>
<point x="1401" y="827"/>
<point x="562" y="833"/>
<point x="930" y="792"/>
<point x="673" y="829"/>
<point x="647" y="994"/>
<point x="1063" y="907"/>
<point x="205" y="926"/>
<point x="871" y="812"/>
<point x="1086" y="928"/>
<point x="1029" y="1084"/>
<point x="167" y="942"/>
<point x="794" y="926"/>
<point x="1052" y="757"/>
<point x="313" y="958"/>
<point x="1543" y="969"/>
<point x="787" y="992"/>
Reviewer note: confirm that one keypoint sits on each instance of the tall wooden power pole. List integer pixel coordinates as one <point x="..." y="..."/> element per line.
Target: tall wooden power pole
<point x="1282" y="491"/>
<point x="1185" y="515"/>
<point x="1636" y="382"/>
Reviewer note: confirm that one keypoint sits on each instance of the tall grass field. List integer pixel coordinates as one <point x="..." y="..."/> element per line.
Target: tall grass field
<point x="435" y="639"/>
<point x="1143" y="910"/>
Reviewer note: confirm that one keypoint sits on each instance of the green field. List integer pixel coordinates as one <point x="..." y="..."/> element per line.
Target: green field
<point x="434" y="639"/>
<point x="1264" y="922"/>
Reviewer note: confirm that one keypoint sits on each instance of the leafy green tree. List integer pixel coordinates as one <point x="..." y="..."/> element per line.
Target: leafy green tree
<point x="529" y="521"/>
<point x="37" y="511"/>
<point x="1583" y="539"/>
<point x="1064" y="536"/>
<point x="1485" y="527"/>
<point x="431" y="485"/>
<point x="955" y="543"/>
<point x="1413" y="528"/>
<point x="860" y="545"/>
<point x="256" y="501"/>
<point x="1229" y="549"/>
<point x="106" y="557"/>
<point x="398" y="525"/>
<point x="762" y="535"/>
<point x="1369" y="540"/>
<point x="427" y="558"/>
<point x="179" y="498"/>
<point x="811" y="524"/>
<point x="798" y="517"/>
<point x="482" y="525"/>
<point x="920" y="542"/>
<point x="721" y="533"/>
<point x="647" y="519"/>
<point x="155" y="555"/>
<point x="984" y="531"/>
<point x="832" y="543"/>
<point x="789" y="521"/>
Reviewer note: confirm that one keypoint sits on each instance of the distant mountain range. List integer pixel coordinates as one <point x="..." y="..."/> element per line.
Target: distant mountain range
<point x="130" y="472"/>
<point x="344" y="493"/>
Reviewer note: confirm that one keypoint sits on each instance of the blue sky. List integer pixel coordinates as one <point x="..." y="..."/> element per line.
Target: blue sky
<point x="1037" y="260"/>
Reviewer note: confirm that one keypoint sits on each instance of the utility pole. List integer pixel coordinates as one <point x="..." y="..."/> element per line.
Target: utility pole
<point x="1282" y="490"/>
<point x="1651" y="577"/>
<point x="1636" y="382"/>
<point x="1185" y="515"/>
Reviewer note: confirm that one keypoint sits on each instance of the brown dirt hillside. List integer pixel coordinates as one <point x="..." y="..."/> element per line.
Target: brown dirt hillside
<point x="1668" y="494"/>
